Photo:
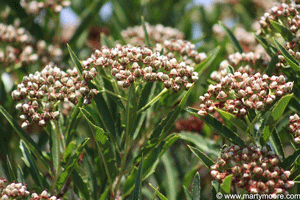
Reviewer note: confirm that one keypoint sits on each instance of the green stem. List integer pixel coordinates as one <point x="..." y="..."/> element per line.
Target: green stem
<point x="112" y="93"/>
<point x="152" y="101"/>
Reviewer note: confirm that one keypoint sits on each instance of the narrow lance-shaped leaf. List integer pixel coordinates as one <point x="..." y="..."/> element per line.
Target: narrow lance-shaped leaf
<point x="288" y="162"/>
<point x="204" y="158"/>
<point x="24" y="136"/>
<point x="276" y="143"/>
<point x="33" y="169"/>
<point x="272" y="65"/>
<point x="75" y="60"/>
<point x="55" y="146"/>
<point x="187" y="193"/>
<point x="138" y="183"/>
<point x="70" y="165"/>
<point x="105" y="149"/>
<point x="107" y="154"/>
<point x="208" y="61"/>
<point x="145" y="32"/>
<point x="218" y="127"/>
<point x="171" y="176"/>
<point x="284" y="32"/>
<point x="196" y="187"/>
<point x="160" y="195"/>
<point x="201" y="142"/>
<point x="232" y="38"/>
<point x="226" y="184"/>
<point x="230" y="70"/>
<point x="272" y="120"/>
<point x="164" y="127"/>
<point x="230" y="118"/>
<point x="11" y="174"/>
<point x="288" y="57"/>
<point x="81" y="185"/>
<point x="150" y="162"/>
<point x="272" y="51"/>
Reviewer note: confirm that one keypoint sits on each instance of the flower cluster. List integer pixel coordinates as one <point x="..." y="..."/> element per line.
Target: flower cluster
<point x="13" y="190"/>
<point x="237" y="93"/>
<point x="294" y="127"/>
<point x="156" y="34"/>
<point x="21" y="48"/>
<point x="34" y="7"/>
<point x="43" y="196"/>
<point x="130" y="64"/>
<point x="290" y="15"/>
<point x="254" y="169"/>
<point x="249" y="63"/>
<point x="19" y="191"/>
<point x="39" y="94"/>
<point x="181" y="49"/>
<point x="284" y="12"/>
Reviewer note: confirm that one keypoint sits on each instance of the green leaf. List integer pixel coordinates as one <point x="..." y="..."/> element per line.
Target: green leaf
<point x="138" y="183"/>
<point x="230" y="70"/>
<point x="107" y="154"/>
<point x="105" y="149"/>
<point x="226" y="184"/>
<point x="288" y="57"/>
<point x="215" y="187"/>
<point x="204" y="158"/>
<point x="150" y="162"/>
<point x="272" y="51"/>
<point x="275" y="113"/>
<point x="276" y="143"/>
<point x="230" y="118"/>
<point x="272" y="65"/>
<point x="73" y="121"/>
<point x="284" y="32"/>
<point x="11" y="174"/>
<point x="69" y="149"/>
<point x="23" y="135"/>
<point x="145" y="32"/>
<point x="155" y="99"/>
<point x="75" y="60"/>
<point x="208" y="61"/>
<point x="81" y="185"/>
<point x="105" y="114"/>
<point x="3" y="94"/>
<point x="131" y="110"/>
<point x="218" y="127"/>
<point x="170" y="176"/>
<point x="71" y="163"/>
<point x="164" y="127"/>
<point x="202" y="143"/>
<point x="55" y="147"/>
<point x="187" y="193"/>
<point x="232" y="37"/>
<point x="33" y="169"/>
<point x="189" y="176"/>
<point x="196" y="187"/>
<point x="160" y="195"/>
<point x="289" y="161"/>
<point x="105" y="194"/>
